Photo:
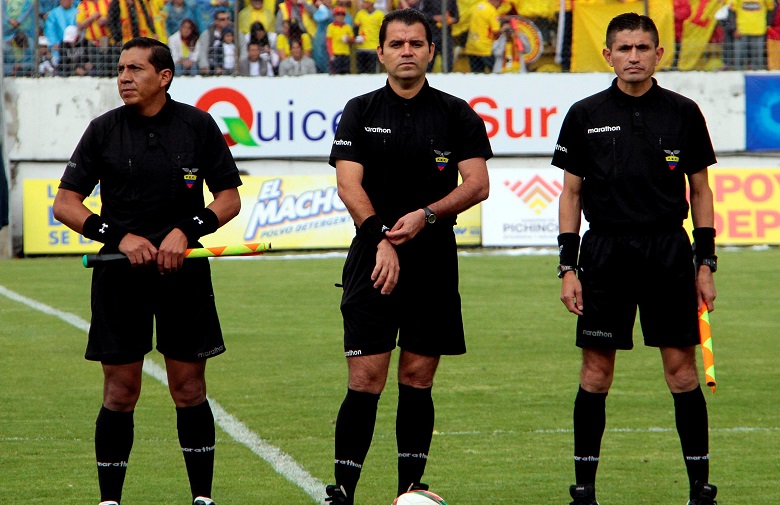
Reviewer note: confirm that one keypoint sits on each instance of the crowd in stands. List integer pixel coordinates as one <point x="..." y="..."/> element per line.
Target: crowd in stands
<point x="266" y="38"/>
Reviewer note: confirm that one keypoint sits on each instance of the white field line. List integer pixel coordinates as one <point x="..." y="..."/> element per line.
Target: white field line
<point x="282" y="463"/>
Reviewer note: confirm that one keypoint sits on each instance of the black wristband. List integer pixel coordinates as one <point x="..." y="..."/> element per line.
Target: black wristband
<point x="568" y="248"/>
<point x="703" y="243"/>
<point x="373" y="229"/>
<point x="202" y="223"/>
<point x="97" y="228"/>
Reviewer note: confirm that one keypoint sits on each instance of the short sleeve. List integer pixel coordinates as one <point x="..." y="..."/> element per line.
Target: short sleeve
<point x="81" y="173"/>
<point x="346" y="145"/>
<point x="224" y="174"/>
<point x="568" y="148"/>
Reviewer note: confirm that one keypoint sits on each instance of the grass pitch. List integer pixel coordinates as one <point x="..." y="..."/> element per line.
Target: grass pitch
<point x="503" y="411"/>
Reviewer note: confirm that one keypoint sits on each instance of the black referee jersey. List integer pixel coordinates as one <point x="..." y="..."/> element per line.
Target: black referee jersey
<point x="633" y="154"/>
<point x="409" y="148"/>
<point x="151" y="169"/>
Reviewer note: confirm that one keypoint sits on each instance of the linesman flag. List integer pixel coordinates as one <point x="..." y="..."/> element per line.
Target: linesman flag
<point x="705" y="335"/>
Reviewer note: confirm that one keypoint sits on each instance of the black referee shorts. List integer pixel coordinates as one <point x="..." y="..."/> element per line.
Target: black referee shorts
<point x="126" y="300"/>
<point x="423" y="312"/>
<point x="654" y="272"/>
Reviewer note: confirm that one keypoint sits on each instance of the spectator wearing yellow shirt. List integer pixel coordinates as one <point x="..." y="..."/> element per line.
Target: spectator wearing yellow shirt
<point x="750" y="36"/>
<point x="252" y="13"/>
<point x="299" y="10"/>
<point x="338" y="39"/>
<point x="291" y="30"/>
<point x="367" y="23"/>
<point x="484" y="28"/>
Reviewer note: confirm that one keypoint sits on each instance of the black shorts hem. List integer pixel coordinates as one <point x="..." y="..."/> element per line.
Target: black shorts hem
<point x="114" y="359"/>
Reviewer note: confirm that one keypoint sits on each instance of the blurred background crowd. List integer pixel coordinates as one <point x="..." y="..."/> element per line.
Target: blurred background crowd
<point x="266" y="38"/>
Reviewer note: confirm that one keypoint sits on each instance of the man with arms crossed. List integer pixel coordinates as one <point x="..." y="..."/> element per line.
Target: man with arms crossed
<point x="398" y="152"/>
<point x="626" y="152"/>
<point x="151" y="158"/>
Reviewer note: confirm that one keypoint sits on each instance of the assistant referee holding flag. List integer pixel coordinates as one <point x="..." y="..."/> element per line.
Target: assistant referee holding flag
<point x="626" y="152"/>
<point x="151" y="158"/>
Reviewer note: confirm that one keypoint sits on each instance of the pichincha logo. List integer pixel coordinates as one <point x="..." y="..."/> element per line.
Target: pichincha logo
<point x="238" y="127"/>
<point x="536" y="193"/>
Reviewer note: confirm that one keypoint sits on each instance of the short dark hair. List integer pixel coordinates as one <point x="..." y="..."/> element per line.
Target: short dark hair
<point x="631" y="21"/>
<point x="159" y="56"/>
<point x="408" y="17"/>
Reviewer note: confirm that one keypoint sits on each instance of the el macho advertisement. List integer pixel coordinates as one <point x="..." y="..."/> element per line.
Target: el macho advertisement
<point x="290" y="213"/>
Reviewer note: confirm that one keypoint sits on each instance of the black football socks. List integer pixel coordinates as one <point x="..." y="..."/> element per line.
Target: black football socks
<point x="354" y="431"/>
<point x="590" y="419"/>
<point x="413" y="431"/>
<point x="113" y="442"/>
<point x="197" y="438"/>
<point x="690" y="413"/>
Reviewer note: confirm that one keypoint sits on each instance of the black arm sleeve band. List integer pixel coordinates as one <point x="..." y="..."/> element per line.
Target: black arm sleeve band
<point x="101" y="230"/>
<point x="568" y="248"/>
<point x="203" y="223"/>
<point x="703" y="243"/>
<point x="373" y="229"/>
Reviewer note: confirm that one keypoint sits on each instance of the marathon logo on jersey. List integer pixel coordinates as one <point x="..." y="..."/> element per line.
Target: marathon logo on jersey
<point x="342" y="143"/>
<point x="442" y="158"/>
<point x="377" y="129"/>
<point x="604" y="129"/>
<point x="672" y="159"/>
<point x="190" y="177"/>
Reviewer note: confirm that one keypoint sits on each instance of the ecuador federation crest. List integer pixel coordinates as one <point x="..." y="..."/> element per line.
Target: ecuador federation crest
<point x="189" y="176"/>
<point x="672" y="159"/>
<point x="442" y="158"/>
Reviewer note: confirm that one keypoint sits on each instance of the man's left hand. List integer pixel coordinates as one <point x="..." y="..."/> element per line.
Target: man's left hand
<point x="705" y="287"/>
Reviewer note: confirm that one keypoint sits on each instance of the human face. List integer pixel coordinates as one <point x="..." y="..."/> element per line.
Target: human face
<point x="296" y="51"/>
<point x="222" y="19"/>
<point x="185" y="29"/>
<point x="253" y="52"/>
<point x="140" y="85"/>
<point x="634" y="57"/>
<point x="405" y="53"/>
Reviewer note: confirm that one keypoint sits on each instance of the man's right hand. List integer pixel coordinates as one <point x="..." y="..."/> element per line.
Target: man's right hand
<point x="385" y="274"/>
<point x="138" y="250"/>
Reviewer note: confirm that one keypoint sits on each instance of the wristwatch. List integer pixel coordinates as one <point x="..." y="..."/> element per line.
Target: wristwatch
<point x="712" y="263"/>
<point x="562" y="269"/>
<point x="430" y="217"/>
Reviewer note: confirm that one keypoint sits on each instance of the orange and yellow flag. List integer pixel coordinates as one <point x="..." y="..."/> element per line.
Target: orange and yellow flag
<point x="705" y="334"/>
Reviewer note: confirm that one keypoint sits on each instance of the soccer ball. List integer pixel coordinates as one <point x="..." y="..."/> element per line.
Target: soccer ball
<point x="419" y="498"/>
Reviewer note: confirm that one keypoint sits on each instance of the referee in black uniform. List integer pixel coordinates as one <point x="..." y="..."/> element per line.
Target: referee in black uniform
<point x="626" y="152"/>
<point x="398" y="152"/>
<point x="151" y="158"/>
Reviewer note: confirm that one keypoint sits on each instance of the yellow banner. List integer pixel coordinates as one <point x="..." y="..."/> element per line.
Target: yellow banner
<point x="697" y="31"/>
<point x="591" y="18"/>
<point x="42" y="233"/>
<point x="292" y="213"/>
<point x="747" y="205"/>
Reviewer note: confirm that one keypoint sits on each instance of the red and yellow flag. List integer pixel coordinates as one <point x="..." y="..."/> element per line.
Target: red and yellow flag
<point x="705" y="335"/>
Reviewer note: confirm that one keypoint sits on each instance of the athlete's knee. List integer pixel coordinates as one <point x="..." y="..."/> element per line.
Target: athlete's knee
<point x="121" y="396"/>
<point x="368" y="383"/>
<point x="596" y="379"/>
<point x="682" y="379"/>
<point x="189" y="392"/>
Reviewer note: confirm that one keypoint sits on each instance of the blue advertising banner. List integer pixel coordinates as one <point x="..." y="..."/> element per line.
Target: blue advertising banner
<point x="762" y="112"/>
